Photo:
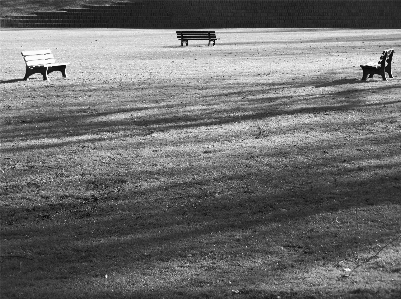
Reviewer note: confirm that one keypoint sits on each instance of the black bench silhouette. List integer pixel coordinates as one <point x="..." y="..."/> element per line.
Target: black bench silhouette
<point x="43" y="62"/>
<point x="382" y="67"/>
<point x="185" y="36"/>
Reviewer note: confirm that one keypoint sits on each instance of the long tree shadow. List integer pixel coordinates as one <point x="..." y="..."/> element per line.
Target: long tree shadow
<point x="81" y="122"/>
<point x="130" y="237"/>
<point x="243" y="293"/>
<point x="125" y="228"/>
<point x="248" y="203"/>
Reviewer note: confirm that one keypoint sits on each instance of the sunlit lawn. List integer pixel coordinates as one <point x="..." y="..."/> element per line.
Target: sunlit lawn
<point x="261" y="167"/>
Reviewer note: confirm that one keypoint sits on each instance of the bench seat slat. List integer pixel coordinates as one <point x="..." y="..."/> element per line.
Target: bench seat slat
<point x="39" y="57"/>
<point x="198" y="37"/>
<point x="48" y="64"/>
<point x="29" y="59"/>
<point x="371" y="65"/>
<point x="194" y="34"/>
<point x="187" y="32"/>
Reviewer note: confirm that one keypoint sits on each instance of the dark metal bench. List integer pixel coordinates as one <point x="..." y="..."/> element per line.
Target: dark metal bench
<point x="185" y="36"/>
<point x="382" y="67"/>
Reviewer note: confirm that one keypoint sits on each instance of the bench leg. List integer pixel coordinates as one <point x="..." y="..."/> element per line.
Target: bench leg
<point x="44" y="74"/>
<point x="388" y="71"/>
<point x="61" y="68"/>
<point x="365" y="75"/>
<point x="29" y="72"/>
<point x="383" y="74"/>
<point x="63" y="73"/>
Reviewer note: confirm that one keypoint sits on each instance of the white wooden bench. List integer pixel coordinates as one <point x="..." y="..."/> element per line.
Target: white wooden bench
<point x="42" y="62"/>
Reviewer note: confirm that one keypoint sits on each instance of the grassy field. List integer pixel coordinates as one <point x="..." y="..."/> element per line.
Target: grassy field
<point x="26" y="7"/>
<point x="262" y="167"/>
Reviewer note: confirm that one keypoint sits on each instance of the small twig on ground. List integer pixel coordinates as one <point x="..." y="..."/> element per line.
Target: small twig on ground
<point x="376" y="254"/>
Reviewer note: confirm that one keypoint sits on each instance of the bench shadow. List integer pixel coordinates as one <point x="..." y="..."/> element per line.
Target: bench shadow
<point x="11" y="81"/>
<point x="340" y="82"/>
<point x="173" y="47"/>
<point x="352" y="81"/>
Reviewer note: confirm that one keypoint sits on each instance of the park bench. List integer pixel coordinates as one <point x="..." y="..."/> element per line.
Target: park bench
<point x="185" y="36"/>
<point x="43" y="62"/>
<point x="382" y="67"/>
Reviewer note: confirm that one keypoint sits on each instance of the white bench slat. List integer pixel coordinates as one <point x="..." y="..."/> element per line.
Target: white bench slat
<point x="39" y="57"/>
<point x="39" y="62"/>
<point x="36" y="52"/>
<point x="45" y="58"/>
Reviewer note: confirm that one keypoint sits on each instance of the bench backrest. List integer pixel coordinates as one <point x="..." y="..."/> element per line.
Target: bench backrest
<point x="382" y="59"/>
<point x="386" y="56"/>
<point x="196" y="34"/>
<point x="39" y="57"/>
<point x="390" y="53"/>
